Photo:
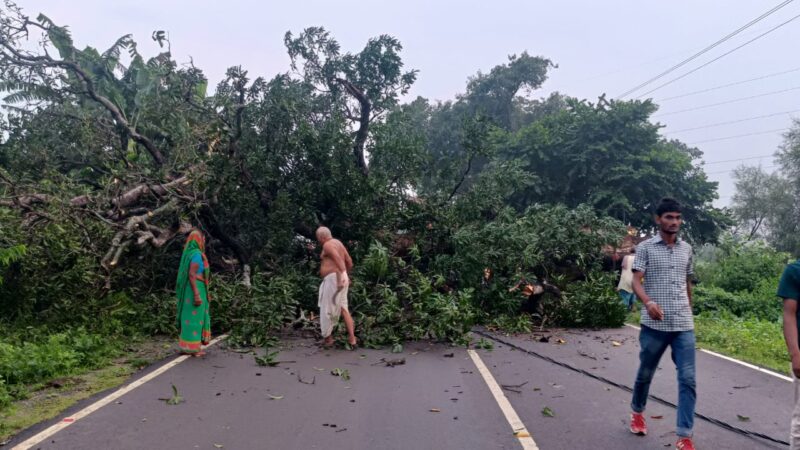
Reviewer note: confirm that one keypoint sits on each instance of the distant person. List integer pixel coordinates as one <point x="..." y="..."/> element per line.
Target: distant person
<point x="335" y="262"/>
<point x="193" y="298"/>
<point x="666" y="318"/>
<point x="789" y="290"/>
<point x="625" y="286"/>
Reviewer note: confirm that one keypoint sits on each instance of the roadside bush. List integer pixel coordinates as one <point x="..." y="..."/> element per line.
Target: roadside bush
<point x="5" y="396"/>
<point x="545" y="241"/>
<point x="515" y="323"/>
<point x="392" y="302"/>
<point x="41" y="356"/>
<point x="741" y="267"/>
<point x="590" y="303"/>
<point x="253" y="315"/>
<point x="760" y="304"/>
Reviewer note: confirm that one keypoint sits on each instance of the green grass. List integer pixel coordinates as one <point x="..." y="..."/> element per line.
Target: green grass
<point x="758" y="342"/>
<point x="46" y="399"/>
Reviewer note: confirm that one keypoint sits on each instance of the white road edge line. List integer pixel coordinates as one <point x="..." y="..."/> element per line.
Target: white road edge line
<point x="519" y="429"/>
<point x="734" y="360"/>
<point x="67" y="421"/>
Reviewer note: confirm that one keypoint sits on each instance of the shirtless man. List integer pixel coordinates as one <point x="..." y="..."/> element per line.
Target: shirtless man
<point x="335" y="262"/>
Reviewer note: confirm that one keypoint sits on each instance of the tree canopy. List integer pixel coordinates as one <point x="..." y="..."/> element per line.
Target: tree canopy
<point x="107" y="158"/>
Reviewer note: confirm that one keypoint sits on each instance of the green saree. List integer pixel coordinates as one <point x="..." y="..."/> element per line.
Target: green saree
<point x="193" y="321"/>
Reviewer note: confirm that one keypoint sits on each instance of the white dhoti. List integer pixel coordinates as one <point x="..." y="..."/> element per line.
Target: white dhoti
<point x="331" y="303"/>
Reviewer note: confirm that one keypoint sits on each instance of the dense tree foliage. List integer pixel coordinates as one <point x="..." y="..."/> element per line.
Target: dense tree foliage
<point x="108" y="157"/>
<point x="765" y="204"/>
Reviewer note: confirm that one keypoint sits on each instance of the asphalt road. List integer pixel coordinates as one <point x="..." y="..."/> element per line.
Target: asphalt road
<point x="431" y="402"/>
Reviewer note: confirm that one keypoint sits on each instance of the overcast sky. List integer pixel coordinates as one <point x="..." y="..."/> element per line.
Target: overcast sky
<point x="600" y="47"/>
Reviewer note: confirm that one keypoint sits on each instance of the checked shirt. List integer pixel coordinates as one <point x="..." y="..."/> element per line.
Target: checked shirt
<point x="665" y="273"/>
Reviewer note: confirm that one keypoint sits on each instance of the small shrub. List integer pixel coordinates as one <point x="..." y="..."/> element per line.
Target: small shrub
<point x="760" y="304"/>
<point x="590" y="303"/>
<point x="519" y="323"/>
<point x="254" y="314"/>
<point x="55" y="355"/>
<point x="5" y="396"/>
<point x="742" y="267"/>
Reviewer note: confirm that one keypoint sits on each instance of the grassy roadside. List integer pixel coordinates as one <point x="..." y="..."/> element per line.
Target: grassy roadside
<point x="47" y="400"/>
<point x="754" y="341"/>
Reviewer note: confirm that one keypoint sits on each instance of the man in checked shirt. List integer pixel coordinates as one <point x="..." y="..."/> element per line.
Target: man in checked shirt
<point x="665" y="262"/>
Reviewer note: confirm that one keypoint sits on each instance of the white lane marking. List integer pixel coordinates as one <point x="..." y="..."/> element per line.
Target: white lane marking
<point x="67" y="421"/>
<point x="751" y="366"/>
<point x="734" y="360"/>
<point x="520" y="432"/>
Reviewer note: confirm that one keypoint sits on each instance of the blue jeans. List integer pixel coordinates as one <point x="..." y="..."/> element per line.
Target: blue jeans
<point x="628" y="298"/>
<point x="653" y="344"/>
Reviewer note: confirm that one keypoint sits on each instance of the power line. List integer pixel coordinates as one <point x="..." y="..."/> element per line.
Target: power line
<point x="707" y="49"/>
<point x="725" y="138"/>
<point x="719" y="124"/>
<point x="739" y="159"/>
<point x="719" y="57"/>
<point x="731" y="170"/>
<point x="727" y="102"/>
<point x="735" y="83"/>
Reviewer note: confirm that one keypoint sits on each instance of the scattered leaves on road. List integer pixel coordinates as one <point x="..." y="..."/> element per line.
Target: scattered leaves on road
<point x="616" y="343"/>
<point x="391" y="362"/>
<point x="343" y="373"/>
<point x="484" y="344"/>
<point x="268" y="359"/>
<point x="743" y="418"/>
<point x="547" y="412"/>
<point x="175" y="399"/>
<point x="435" y="410"/>
<point x="656" y="417"/>
<point x="397" y="348"/>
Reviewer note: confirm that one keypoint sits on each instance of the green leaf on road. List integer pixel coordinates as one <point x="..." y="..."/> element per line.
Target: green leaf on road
<point x="344" y="373"/>
<point x="743" y="418"/>
<point x="547" y="412"/>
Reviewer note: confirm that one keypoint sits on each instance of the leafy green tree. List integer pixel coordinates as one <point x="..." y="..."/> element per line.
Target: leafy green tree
<point x="761" y="204"/>
<point x="610" y="156"/>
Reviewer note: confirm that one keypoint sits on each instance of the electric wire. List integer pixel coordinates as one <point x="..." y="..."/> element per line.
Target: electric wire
<point x="720" y="56"/>
<point x="729" y="122"/>
<point x="727" y="102"/>
<point x="708" y="48"/>
<point x="735" y="83"/>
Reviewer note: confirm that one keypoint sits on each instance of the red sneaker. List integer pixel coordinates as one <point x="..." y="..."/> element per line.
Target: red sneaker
<point x="684" y="444"/>
<point x="637" y="424"/>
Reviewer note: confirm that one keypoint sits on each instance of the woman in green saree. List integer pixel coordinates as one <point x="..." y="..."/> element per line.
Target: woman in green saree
<point x="192" y="294"/>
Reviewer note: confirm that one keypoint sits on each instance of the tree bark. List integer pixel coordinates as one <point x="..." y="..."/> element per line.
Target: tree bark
<point x="363" y="124"/>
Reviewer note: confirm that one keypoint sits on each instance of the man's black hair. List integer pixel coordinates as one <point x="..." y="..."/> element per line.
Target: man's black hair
<point x="668" y="205"/>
